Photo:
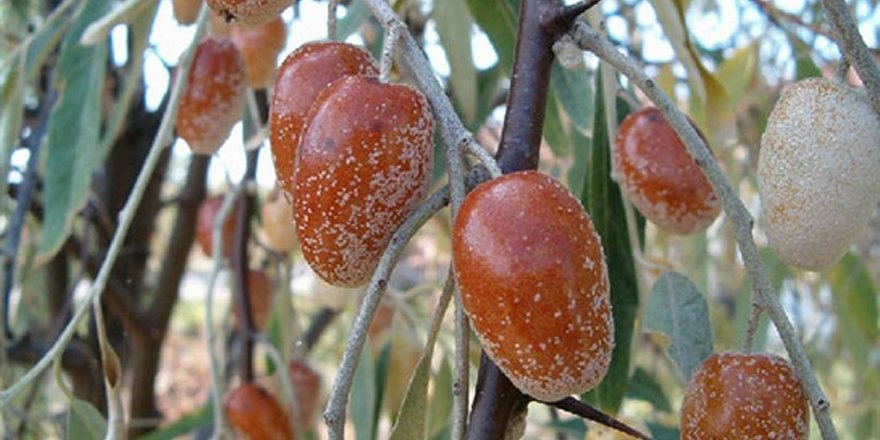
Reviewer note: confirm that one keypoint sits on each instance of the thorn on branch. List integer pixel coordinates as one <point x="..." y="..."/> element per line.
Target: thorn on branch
<point x="578" y="408"/>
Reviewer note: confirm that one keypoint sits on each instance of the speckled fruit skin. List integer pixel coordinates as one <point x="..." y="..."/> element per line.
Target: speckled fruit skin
<point x="261" y="293"/>
<point x="307" y="387"/>
<point x="735" y="396"/>
<point x="659" y="177"/>
<point x="256" y="415"/>
<point x="251" y="12"/>
<point x="186" y="11"/>
<point x="208" y="210"/>
<point x="364" y="164"/>
<point x="303" y="75"/>
<point x="277" y="216"/>
<point x="818" y="172"/>
<point x="213" y="99"/>
<point x="259" y="47"/>
<point x="533" y="281"/>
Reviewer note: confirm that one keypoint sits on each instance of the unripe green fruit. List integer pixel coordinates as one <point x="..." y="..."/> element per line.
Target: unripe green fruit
<point x="818" y="172"/>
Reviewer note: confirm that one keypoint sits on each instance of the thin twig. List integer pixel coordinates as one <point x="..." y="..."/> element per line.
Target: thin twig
<point x="486" y="158"/>
<point x="335" y="412"/>
<point x="853" y="47"/>
<point x="126" y="216"/>
<point x="217" y="382"/>
<point x="752" y="328"/>
<point x="589" y="39"/>
<point x="319" y="323"/>
<point x="331" y="19"/>
<point x="389" y="46"/>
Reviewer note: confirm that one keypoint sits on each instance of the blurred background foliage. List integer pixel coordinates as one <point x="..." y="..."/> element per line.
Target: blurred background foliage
<point x="73" y="108"/>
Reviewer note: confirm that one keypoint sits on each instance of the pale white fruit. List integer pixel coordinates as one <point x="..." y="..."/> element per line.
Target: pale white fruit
<point x="818" y="172"/>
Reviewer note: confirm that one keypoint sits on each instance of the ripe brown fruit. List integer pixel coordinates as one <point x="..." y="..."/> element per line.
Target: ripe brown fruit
<point x="186" y="11"/>
<point x="208" y="211"/>
<point x="364" y="164"/>
<point x="255" y="414"/>
<point x="744" y="396"/>
<point x="260" y="46"/>
<point x="533" y="281"/>
<point x="213" y="98"/>
<point x="252" y="12"/>
<point x="659" y="177"/>
<point x="277" y="217"/>
<point x="307" y="387"/>
<point x="261" y="293"/>
<point x="302" y="75"/>
<point x="818" y="172"/>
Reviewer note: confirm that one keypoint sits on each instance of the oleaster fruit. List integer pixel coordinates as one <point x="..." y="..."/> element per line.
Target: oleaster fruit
<point x="260" y="46"/>
<point x="818" y="171"/>
<point x="255" y="414"/>
<point x="261" y="292"/>
<point x="659" y="177"/>
<point x="252" y="12"/>
<point x="208" y="211"/>
<point x="213" y="98"/>
<point x="302" y="75"/>
<point x="186" y="11"/>
<point x="277" y="216"/>
<point x="363" y="165"/>
<point x="735" y="396"/>
<point x="307" y="387"/>
<point x="533" y="280"/>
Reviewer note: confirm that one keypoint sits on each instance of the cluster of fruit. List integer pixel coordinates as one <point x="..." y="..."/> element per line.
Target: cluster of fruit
<point x="353" y="157"/>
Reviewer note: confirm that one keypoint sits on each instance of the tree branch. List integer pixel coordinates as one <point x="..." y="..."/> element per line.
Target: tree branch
<point x="591" y="40"/>
<point x="585" y="411"/>
<point x="245" y="208"/>
<point x="853" y="47"/>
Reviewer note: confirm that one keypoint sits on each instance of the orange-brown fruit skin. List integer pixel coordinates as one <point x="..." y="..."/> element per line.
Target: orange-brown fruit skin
<point x="307" y="387"/>
<point x="251" y="12"/>
<point x="659" y="177"/>
<point x="259" y="47"/>
<point x="735" y="396"/>
<point x="277" y="216"/>
<point x="364" y="164"/>
<point x="533" y="280"/>
<point x="256" y="415"/>
<point x="213" y="99"/>
<point x="186" y="11"/>
<point x="303" y="75"/>
<point x="208" y="211"/>
<point x="261" y="293"/>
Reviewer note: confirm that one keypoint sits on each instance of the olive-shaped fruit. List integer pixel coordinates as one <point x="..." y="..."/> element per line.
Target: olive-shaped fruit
<point x="735" y="396"/>
<point x="659" y="177"/>
<point x="363" y="165"/>
<point x="533" y="280"/>
<point x="818" y="172"/>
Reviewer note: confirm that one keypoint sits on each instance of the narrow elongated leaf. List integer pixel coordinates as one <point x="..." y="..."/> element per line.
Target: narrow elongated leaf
<point x="84" y="422"/>
<point x="11" y="116"/>
<point x="454" y="24"/>
<point x="498" y="19"/>
<point x="605" y="205"/>
<point x="643" y="386"/>
<point x="440" y="407"/>
<point x="855" y="295"/>
<point x="363" y="397"/>
<point x="186" y="424"/>
<point x="573" y="90"/>
<point x="72" y="150"/>
<point x="677" y="309"/>
<point x="805" y="67"/>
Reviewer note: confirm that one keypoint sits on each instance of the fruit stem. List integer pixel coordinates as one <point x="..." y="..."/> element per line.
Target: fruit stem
<point x="589" y="39"/>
